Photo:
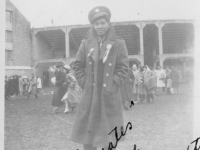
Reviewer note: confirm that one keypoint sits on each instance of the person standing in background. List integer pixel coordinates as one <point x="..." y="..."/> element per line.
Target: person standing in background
<point x="135" y="90"/>
<point x="140" y="84"/>
<point x="26" y="86"/>
<point x="150" y="84"/>
<point x="21" y="84"/>
<point x="168" y="81"/>
<point x="11" y="86"/>
<point x="15" y="85"/>
<point x="32" y="90"/>
<point x="175" y="80"/>
<point x="74" y="92"/>
<point x="61" y="87"/>
<point x="161" y="80"/>
<point x="39" y="85"/>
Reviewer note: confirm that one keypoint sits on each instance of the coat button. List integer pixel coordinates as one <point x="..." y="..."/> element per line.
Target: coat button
<point x="107" y="74"/>
<point x="90" y="63"/>
<point x="110" y="64"/>
<point x="104" y="85"/>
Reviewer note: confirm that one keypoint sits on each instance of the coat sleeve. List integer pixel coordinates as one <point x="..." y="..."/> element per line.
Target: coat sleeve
<point x="79" y="65"/>
<point x="121" y="66"/>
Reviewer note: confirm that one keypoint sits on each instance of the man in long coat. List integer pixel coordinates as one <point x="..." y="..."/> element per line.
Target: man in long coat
<point x="101" y="66"/>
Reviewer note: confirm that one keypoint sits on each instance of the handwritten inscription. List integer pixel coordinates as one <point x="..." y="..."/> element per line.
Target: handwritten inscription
<point x="132" y="104"/>
<point x="197" y="145"/>
<point x="123" y="133"/>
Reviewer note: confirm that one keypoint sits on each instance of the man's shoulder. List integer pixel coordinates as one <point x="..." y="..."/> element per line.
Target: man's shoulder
<point x="119" y="39"/>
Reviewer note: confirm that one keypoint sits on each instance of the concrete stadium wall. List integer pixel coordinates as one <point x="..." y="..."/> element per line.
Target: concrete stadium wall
<point x="41" y="49"/>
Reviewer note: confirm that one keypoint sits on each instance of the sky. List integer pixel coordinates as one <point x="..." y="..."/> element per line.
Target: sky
<point x="73" y="12"/>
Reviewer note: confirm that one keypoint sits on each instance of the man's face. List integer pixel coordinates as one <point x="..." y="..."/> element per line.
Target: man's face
<point x="101" y="26"/>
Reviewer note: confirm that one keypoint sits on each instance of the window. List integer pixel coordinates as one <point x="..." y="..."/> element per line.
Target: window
<point x="9" y="36"/>
<point x="9" y="16"/>
<point x="8" y="55"/>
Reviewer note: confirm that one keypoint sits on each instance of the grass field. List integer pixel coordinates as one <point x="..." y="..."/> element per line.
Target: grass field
<point x="165" y="125"/>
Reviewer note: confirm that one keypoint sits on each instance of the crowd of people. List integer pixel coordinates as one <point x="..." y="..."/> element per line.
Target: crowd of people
<point x="142" y="83"/>
<point x="22" y="85"/>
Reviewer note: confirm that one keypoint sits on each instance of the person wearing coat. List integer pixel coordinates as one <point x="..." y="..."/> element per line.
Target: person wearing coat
<point x="141" y="89"/>
<point x="60" y="88"/>
<point x="175" y="80"/>
<point x="21" y="85"/>
<point x="100" y="66"/>
<point x="150" y="84"/>
<point x="11" y="86"/>
<point x="32" y="90"/>
<point x="25" y="86"/>
<point x="135" y="92"/>
<point x="127" y="90"/>
<point x="39" y="85"/>
<point x="161" y="80"/>
<point x="74" y="92"/>
<point x="16" y="85"/>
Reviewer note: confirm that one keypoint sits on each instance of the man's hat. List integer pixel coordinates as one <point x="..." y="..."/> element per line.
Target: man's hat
<point x="97" y="12"/>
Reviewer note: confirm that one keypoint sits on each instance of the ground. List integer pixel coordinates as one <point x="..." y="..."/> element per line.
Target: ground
<point x="164" y="125"/>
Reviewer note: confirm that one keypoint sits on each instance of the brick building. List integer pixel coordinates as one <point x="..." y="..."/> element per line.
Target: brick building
<point x="18" y="55"/>
<point x="152" y="43"/>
